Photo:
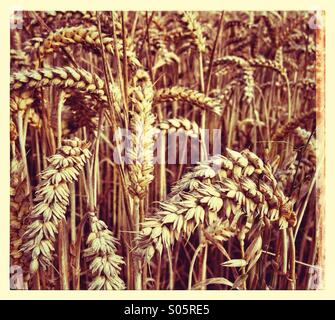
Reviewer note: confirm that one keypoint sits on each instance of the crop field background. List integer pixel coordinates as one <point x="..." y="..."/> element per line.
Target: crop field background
<point x="166" y="150"/>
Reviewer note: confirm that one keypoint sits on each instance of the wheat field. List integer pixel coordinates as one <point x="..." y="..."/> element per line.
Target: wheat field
<point x="166" y="151"/>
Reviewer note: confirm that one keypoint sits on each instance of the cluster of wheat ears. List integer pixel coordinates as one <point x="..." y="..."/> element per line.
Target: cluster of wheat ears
<point x="89" y="212"/>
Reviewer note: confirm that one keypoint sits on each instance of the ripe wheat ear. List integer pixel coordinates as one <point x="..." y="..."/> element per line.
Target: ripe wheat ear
<point x="52" y="198"/>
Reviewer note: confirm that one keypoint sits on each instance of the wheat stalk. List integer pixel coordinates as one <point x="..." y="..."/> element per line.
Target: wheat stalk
<point x="305" y="136"/>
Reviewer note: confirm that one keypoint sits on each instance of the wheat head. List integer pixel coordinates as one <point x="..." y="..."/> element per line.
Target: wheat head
<point x="237" y="188"/>
<point x="105" y="264"/>
<point x="52" y="198"/>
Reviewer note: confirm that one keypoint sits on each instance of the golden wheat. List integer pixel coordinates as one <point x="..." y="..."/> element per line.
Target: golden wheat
<point x="119" y="85"/>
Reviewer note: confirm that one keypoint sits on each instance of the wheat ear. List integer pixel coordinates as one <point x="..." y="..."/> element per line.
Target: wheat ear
<point x="140" y="155"/>
<point x="189" y="21"/>
<point x="64" y="77"/>
<point x="188" y="95"/>
<point x="19" y="59"/>
<point x="190" y="128"/>
<point x="105" y="264"/>
<point x="291" y="125"/>
<point x="247" y="73"/>
<point x="19" y="209"/>
<point x="52" y="198"/>
<point x="89" y="37"/>
<point x="266" y="63"/>
<point x="53" y="18"/>
<point x="13" y="130"/>
<point x="304" y="136"/>
<point x="225" y="187"/>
